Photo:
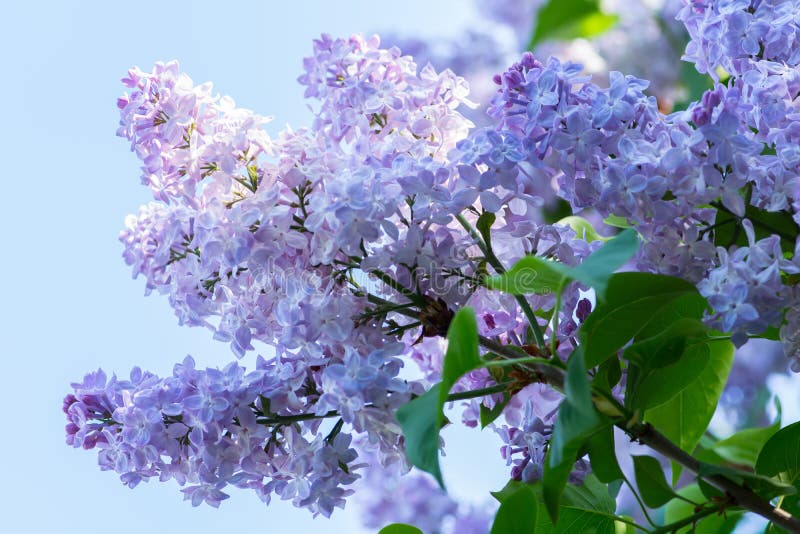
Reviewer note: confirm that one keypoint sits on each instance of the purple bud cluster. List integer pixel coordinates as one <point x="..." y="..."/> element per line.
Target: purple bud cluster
<point x="745" y="289"/>
<point x="790" y="332"/>
<point x="185" y="137"/>
<point x="526" y="433"/>
<point x="644" y="41"/>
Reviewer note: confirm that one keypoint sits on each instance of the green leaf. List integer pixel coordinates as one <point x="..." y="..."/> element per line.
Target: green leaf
<point x="742" y="448"/>
<point x="666" y="351"/>
<point x="667" y="346"/>
<point x="584" y="508"/>
<point x="651" y="387"/>
<point x="400" y="528"/>
<point x="484" y="226"/>
<point x="633" y="301"/>
<point x="583" y="229"/>
<point x="576" y="422"/>
<point x="488" y="415"/>
<point x="624" y="528"/>
<point x="603" y="457"/>
<point x="689" y="306"/>
<point x="588" y="507"/>
<point x="422" y="418"/>
<point x="772" y="333"/>
<point x="684" y="418"/>
<point x="517" y="513"/>
<point x="651" y="482"/>
<point x="608" y="374"/>
<point x="569" y="19"/>
<point x="510" y="488"/>
<point x="596" y="270"/>
<point x="591" y="495"/>
<point x="462" y="349"/>
<point x="531" y="274"/>
<point x="617" y="221"/>
<point x="763" y="485"/>
<point x="780" y="455"/>
<point x="572" y="519"/>
<point x="678" y="509"/>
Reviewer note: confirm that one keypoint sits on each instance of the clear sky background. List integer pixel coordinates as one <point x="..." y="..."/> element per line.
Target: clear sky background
<point x="68" y="302"/>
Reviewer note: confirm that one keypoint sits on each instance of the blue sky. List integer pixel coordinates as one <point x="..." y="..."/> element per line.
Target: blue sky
<point x="68" y="302"/>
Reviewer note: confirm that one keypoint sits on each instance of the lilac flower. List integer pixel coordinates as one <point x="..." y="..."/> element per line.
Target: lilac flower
<point x="205" y="444"/>
<point x="388" y="495"/>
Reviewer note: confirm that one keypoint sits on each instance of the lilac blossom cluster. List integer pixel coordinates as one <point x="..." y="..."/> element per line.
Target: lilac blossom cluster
<point x="263" y="236"/>
<point x="738" y="34"/>
<point x="414" y="498"/>
<point x="208" y="429"/>
<point x="529" y="419"/>
<point x="346" y="247"/>
<point x="646" y="41"/>
<point x="678" y="179"/>
<point x="313" y="243"/>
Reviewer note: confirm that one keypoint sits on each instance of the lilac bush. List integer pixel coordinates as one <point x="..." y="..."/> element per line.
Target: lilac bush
<point x="354" y="252"/>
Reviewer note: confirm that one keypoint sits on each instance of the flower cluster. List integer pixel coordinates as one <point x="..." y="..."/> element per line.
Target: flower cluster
<point x="321" y="243"/>
<point x="739" y="34"/>
<point x="684" y="181"/>
<point x="347" y="247"/>
<point x="193" y="146"/>
<point x="208" y="429"/>
<point x="260" y="233"/>
<point x="389" y="496"/>
<point x="646" y="41"/>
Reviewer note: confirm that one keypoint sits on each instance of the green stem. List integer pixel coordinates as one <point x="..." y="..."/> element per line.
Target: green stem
<point x="482" y="392"/>
<point x="687" y="501"/>
<point x="488" y="253"/>
<point x="642" y="507"/>
<point x="740" y="495"/>
<point x="289" y="419"/>
<point x="531" y="316"/>
<point x="461" y="395"/>
<point x="689" y="520"/>
<point x="647" y="435"/>
<point x="554" y="330"/>
<point x="630" y="522"/>
<point x="515" y="361"/>
<point x="391" y="282"/>
<point x="550" y="371"/>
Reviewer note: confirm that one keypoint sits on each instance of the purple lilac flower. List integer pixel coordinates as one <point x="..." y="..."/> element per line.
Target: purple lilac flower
<point x="388" y="495"/>
<point x="737" y="35"/>
<point x="612" y="150"/>
<point x="209" y="429"/>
